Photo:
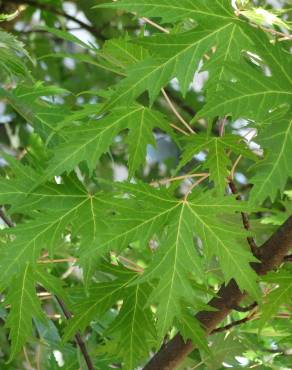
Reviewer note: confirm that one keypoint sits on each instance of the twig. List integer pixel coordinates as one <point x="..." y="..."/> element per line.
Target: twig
<point x="153" y="24"/>
<point x="245" y="309"/>
<point x="274" y="32"/>
<point x="130" y="264"/>
<point x="171" y="105"/>
<point x="269" y="30"/>
<point x="286" y="38"/>
<point x="52" y="9"/>
<point x="234" y="323"/>
<point x="78" y="337"/>
<point x="234" y="190"/>
<point x="245" y="219"/>
<point x="60" y="260"/>
<point x="179" y="129"/>
<point x="234" y="167"/>
<point x="195" y="184"/>
<point x="169" y="102"/>
<point x="38" y="357"/>
<point x="27" y="359"/>
<point x="171" y="179"/>
<point x="222" y="126"/>
<point x="288" y="258"/>
<point x="54" y="316"/>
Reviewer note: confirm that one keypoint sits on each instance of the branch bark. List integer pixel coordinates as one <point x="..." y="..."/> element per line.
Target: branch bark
<point x="271" y="254"/>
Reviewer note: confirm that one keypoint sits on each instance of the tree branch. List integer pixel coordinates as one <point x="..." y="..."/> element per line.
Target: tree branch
<point x="52" y="9"/>
<point x="271" y="255"/>
<point x="78" y="337"/>
<point x="288" y="258"/>
<point x="245" y="219"/>
<point x="232" y="324"/>
<point x="245" y="309"/>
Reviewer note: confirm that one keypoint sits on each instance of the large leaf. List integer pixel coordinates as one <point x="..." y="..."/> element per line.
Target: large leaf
<point x="25" y="306"/>
<point x="99" y="298"/>
<point x="134" y="329"/>
<point x="89" y="141"/>
<point x="216" y="11"/>
<point x="187" y="49"/>
<point x="175" y="260"/>
<point x="152" y="210"/>
<point x="251" y="92"/>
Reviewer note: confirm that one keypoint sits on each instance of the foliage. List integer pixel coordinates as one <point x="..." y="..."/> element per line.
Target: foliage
<point x="122" y="139"/>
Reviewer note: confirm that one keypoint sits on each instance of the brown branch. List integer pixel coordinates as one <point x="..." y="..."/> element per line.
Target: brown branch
<point x="245" y="309"/>
<point x="52" y="9"/>
<point x="245" y="219"/>
<point x="67" y="314"/>
<point x="288" y="258"/>
<point x="271" y="255"/>
<point x="78" y="337"/>
<point x="234" y="191"/>
<point x="232" y="324"/>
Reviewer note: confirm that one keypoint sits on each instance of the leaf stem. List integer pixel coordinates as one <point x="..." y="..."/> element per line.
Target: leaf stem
<point x="153" y="24"/>
<point x="171" y="179"/>
<point x="196" y="184"/>
<point x="179" y="129"/>
<point x="175" y="111"/>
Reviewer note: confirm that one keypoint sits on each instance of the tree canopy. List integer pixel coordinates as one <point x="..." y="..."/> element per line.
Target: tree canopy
<point x="145" y="188"/>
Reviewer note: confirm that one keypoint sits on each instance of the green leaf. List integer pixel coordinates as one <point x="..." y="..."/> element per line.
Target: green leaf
<point x="247" y="87"/>
<point x="122" y="52"/>
<point x="11" y="51"/>
<point x="24" y="307"/>
<point x="280" y="294"/>
<point x="88" y="142"/>
<point x="273" y="172"/>
<point x="62" y="206"/>
<point x="209" y="12"/>
<point x="99" y="299"/>
<point x="175" y="261"/>
<point x="224" y="240"/>
<point x="154" y="209"/>
<point x="167" y="62"/>
<point x="134" y="329"/>
<point x="223" y="349"/>
<point x="51" y="283"/>
<point x="190" y="328"/>
<point x="218" y="162"/>
<point x="42" y="115"/>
